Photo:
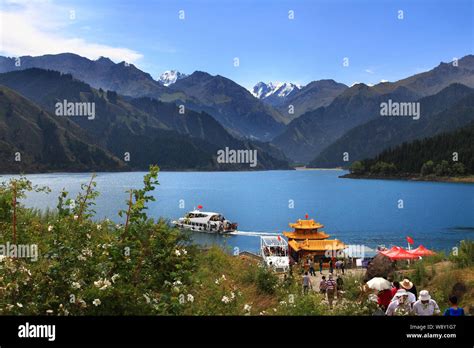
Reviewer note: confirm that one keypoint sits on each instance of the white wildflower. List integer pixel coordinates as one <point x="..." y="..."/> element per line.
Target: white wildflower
<point x="96" y="302"/>
<point x="76" y="217"/>
<point x="99" y="227"/>
<point x="102" y="284"/>
<point x="19" y="305"/>
<point x="147" y="298"/>
<point x="76" y="285"/>
<point x="177" y="252"/>
<point x="115" y="277"/>
<point x="50" y="228"/>
<point x="247" y="307"/>
<point x="225" y="299"/>
<point x="49" y="311"/>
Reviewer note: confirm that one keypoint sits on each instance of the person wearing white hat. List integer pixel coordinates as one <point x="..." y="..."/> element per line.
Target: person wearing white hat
<point x="425" y="305"/>
<point x="407" y="286"/>
<point x="400" y="304"/>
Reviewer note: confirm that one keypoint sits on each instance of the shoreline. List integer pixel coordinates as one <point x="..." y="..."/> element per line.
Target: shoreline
<point x="455" y="180"/>
<point x="146" y="170"/>
<point x="309" y="169"/>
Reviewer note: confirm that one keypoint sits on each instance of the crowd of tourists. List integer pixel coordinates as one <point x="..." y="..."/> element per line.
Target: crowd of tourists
<point x="403" y="299"/>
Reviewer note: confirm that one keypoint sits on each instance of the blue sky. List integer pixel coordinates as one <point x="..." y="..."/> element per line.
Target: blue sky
<point x="269" y="45"/>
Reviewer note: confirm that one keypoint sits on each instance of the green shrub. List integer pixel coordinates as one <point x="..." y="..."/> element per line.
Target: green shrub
<point x="298" y="304"/>
<point x="427" y="168"/>
<point x="266" y="280"/>
<point x="87" y="267"/>
<point x="465" y="254"/>
<point x="357" y="168"/>
<point x="352" y="287"/>
<point x="419" y="275"/>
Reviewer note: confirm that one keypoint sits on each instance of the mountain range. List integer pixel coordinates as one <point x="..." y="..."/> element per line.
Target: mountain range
<point x="311" y="124"/>
<point x="451" y="108"/>
<point x="231" y="104"/>
<point x="148" y="130"/>
<point x="307" y="136"/>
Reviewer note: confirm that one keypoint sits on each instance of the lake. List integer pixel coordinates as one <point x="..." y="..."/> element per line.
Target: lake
<point x="369" y="212"/>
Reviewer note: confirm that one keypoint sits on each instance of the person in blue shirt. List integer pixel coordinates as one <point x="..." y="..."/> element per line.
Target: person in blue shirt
<point x="454" y="310"/>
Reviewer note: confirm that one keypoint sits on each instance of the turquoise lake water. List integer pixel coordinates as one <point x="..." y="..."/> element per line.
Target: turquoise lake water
<point x="437" y="215"/>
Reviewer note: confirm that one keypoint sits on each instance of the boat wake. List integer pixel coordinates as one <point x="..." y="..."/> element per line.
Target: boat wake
<point x="253" y="234"/>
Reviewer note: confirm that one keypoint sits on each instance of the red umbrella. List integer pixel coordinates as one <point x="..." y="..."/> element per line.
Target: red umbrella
<point x="421" y="251"/>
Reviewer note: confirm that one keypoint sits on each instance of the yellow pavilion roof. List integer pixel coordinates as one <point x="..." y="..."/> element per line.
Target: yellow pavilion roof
<point x="306" y="225"/>
<point x="317" y="245"/>
<point x="304" y="235"/>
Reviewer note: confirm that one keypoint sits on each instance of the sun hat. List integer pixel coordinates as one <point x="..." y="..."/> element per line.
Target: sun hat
<point x="401" y="292"/>
<point x="424" y="295"/>
<point x="406" y="284"/>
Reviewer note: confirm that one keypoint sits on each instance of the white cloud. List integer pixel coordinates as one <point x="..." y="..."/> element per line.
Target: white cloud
<point x="383" y="81"/>
<point x="369" y="71"/>
<point x="35" y="28"/>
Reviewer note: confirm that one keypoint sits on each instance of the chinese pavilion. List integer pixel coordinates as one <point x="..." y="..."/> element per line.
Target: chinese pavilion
<point x="307" y="241"/>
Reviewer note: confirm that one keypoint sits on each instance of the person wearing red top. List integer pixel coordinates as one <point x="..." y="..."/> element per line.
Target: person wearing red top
<point x="384" y="297"/>
<point x="395" y="287"/>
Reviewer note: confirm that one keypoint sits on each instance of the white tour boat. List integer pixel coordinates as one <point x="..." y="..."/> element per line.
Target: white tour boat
<point x="204" y="221"/>
<point x="274" y="251"/>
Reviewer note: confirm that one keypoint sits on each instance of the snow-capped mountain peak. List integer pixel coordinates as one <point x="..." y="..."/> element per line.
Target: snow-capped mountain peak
<point x="171" y="76"/>
<point x="264" y="90"/>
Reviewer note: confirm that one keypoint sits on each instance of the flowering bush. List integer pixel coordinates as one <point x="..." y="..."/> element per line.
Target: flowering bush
<point x="90" y="268"/>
